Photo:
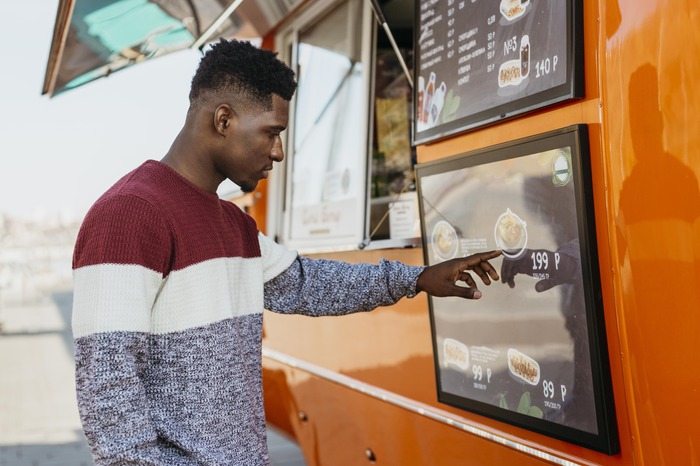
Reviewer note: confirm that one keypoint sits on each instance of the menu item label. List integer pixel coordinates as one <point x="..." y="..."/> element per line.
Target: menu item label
<point x="532" y="351"/>
<point x="480" y="61"/>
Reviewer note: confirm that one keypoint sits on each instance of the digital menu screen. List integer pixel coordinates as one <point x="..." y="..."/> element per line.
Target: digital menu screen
<point x="481" y="61"/>
<point x="532" y="351"/>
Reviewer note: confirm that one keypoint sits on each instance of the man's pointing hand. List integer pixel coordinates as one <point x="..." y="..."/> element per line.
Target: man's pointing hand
<point x="441" y="279"/>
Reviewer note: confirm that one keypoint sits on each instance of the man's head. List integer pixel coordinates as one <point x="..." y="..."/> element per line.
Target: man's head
<point x="239" y="105"/>
<point x="239" y="69"/>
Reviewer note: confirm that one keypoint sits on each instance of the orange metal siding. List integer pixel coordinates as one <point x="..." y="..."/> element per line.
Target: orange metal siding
<point x="651" y="117"/>
<point x="642" y="106"/>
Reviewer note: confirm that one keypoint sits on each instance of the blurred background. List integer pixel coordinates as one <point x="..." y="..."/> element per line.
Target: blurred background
<point x="59" y="154"/>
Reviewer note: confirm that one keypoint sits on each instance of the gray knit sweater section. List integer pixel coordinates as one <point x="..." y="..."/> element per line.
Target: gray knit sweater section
<point x="202" y="387"/>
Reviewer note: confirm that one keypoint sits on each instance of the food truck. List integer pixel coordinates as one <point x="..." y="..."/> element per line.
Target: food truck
<point x="563" y="132"/>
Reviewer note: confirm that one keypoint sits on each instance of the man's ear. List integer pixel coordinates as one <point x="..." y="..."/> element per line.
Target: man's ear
<point x="223" y="118"/>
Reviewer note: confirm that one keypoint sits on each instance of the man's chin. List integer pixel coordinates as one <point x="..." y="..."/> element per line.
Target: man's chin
<point x="247" y="187"/>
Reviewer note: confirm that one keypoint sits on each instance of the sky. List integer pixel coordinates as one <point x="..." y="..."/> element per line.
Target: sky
<point x="58" y="155"/>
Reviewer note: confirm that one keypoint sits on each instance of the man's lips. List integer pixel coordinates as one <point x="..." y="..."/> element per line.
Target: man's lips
<point x="266" y="172"/>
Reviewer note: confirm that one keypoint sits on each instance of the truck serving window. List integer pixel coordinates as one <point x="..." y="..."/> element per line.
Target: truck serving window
<point x="326" y="174"/>
<point x="348" y="179"/>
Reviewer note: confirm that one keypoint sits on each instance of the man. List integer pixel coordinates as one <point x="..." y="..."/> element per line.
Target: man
<point x="170" y="281"/>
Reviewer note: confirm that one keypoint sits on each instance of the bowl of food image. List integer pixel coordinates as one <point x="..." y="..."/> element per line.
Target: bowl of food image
<point x="444" y="240"/>
<point x="510" y="234"/>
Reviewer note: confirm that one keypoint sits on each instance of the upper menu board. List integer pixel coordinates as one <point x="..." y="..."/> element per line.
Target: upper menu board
<point x="532" y="351"/>
<point x="481" y="61"/>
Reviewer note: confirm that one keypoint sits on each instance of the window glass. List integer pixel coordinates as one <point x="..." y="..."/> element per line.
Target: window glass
<point x="328" y="156"/>
<point x="350" y="161"/>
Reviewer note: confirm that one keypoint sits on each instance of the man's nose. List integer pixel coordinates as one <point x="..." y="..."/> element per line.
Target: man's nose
<point x="277" y="150"/>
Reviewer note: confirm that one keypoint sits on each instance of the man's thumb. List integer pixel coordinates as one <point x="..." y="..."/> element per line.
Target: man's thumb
<point x="544" y="285"/>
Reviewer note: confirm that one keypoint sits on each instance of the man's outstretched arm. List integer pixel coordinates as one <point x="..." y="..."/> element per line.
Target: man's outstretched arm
<point x="324" y="287"/>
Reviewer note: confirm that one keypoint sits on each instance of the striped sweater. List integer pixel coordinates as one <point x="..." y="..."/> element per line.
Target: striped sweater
<point x="169" y="287"/>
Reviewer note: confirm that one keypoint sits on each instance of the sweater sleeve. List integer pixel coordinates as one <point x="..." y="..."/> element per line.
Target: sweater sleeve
<point x="119" y="262"/>
<point x="324" y="287"/>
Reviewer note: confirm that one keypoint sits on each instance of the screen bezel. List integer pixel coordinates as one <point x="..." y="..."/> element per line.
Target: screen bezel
<point x="576" y="137"/>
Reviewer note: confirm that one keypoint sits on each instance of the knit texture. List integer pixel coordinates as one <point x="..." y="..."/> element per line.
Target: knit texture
<point x="169" y="287"/>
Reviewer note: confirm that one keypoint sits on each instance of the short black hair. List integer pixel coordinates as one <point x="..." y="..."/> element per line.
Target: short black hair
<point x="240" y="68"/>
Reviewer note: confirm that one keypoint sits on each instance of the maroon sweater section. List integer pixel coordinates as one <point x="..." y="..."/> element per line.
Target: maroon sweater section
<point x="156" y="218"/>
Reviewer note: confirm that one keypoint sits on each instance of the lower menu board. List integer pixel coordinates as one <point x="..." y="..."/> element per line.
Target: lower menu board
<point x="480" y="61"/>
<point x="532" y="351"/>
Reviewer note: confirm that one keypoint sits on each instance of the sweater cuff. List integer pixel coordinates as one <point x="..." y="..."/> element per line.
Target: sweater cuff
<point x="402" y="278"/>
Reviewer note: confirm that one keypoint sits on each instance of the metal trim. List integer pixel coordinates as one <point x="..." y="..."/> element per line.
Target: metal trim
<point x="199" y="43"/>
<point x="58" y="44"/>
<point x="413" y="406"/>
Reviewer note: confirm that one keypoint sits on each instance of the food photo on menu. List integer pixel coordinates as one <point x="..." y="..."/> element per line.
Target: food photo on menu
<point x="524" y="348"/>
<point x="513" y="9"/>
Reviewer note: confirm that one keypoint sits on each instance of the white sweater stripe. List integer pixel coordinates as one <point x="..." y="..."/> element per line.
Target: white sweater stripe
<point x="102" y="304"/>
<point x="195" y="296"/>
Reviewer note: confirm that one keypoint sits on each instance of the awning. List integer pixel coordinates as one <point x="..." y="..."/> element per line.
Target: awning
<point x="94" y="38"/>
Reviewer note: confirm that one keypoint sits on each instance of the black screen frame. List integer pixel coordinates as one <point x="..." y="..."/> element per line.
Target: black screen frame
<point x="572" y="88"/>
<point x="576" y="137"/>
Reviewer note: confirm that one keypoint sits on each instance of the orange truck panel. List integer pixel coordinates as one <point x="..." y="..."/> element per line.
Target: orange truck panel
<point x="642" y="107"/>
